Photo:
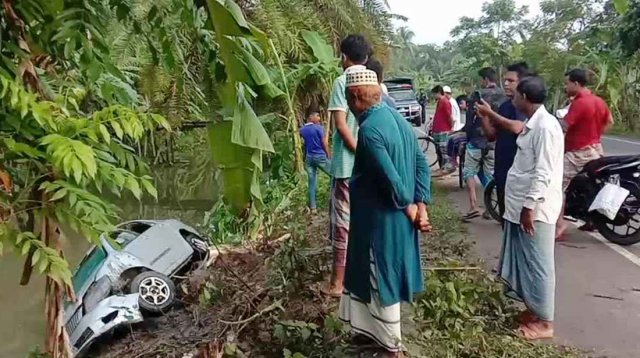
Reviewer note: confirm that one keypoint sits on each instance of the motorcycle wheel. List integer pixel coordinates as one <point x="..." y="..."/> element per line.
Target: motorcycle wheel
<point x="625" y="234"/>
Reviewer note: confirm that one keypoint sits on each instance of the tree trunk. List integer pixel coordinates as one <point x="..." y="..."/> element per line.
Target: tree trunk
<point x="57" y="343"/>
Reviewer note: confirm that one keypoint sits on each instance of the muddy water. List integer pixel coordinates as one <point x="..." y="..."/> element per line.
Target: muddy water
<point x="184" y="192"/>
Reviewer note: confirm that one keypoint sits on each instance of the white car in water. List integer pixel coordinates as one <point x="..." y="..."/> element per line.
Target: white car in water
<point x="128" y="273"/>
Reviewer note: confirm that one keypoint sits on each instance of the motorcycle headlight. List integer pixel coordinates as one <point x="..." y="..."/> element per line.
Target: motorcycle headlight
<point x="97" y="292"/>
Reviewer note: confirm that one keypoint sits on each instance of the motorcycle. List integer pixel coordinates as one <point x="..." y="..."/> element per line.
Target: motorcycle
<point x="623" y="171"/>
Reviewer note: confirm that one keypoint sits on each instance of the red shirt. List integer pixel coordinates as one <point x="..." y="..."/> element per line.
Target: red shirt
<point x="587" y="118"/>
<point x="442" y="118"/>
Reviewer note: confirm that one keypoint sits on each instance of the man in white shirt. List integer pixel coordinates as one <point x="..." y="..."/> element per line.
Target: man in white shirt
<point x="455" y="109"/>
<point x="533" y="201"/>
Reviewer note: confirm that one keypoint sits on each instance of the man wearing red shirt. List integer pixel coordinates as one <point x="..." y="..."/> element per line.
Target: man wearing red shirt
<point x="442" y="124"/>
<point x="587" y="120"/>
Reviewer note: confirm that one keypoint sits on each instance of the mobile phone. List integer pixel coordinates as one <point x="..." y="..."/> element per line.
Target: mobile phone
<point x="476" y="96"/>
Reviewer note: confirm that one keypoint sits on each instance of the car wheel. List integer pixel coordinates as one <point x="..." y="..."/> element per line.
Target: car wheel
<point x="157" y="291"/>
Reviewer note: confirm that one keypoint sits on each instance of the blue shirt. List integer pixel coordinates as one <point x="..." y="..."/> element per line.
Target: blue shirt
<point x="506" y="147"/>
<point x="313" y="135"/>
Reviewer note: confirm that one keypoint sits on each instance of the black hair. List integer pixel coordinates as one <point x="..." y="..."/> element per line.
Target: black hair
<point x="578" y="75"/>
<point x="437" y="89"/>
<point x="533" y="89"/>
<point x="376" y="66"/>
<point x="356" y="48"/>
<point x="521" y="68"/>
<point x="461" y="98"/>
<point x="489" y="74"/>
<point x="312" y="110"/>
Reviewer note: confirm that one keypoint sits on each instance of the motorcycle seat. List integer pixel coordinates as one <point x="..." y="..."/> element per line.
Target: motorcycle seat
<point x="597" y="164"/>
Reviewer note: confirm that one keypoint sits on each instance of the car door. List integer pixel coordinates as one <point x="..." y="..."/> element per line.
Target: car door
<point x="161" y="247"/>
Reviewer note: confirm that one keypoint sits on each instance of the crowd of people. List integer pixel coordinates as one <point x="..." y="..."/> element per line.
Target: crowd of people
<point x="381" y="184"/>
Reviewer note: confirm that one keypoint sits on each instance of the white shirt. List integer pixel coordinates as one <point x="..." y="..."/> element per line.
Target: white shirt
<point x="535" y="179"/>
<point x="455" y="111"/>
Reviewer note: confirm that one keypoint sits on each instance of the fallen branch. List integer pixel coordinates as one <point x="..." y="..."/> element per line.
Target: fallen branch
<point x="272" y="307"/>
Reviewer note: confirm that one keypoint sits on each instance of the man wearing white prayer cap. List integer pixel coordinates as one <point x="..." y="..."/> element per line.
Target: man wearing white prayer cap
<point x="390" y="188"/>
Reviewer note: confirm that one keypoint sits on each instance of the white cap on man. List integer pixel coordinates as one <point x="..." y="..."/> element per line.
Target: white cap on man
<point x="446" y="89"/>
<point x="361" y="77"/>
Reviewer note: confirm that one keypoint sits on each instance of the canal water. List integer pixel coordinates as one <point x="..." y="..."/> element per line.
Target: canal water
<point x="185" y="192"/>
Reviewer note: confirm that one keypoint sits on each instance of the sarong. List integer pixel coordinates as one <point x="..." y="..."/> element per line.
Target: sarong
<point x="575" y="161"/>
<point x="339" y="220"/>
<point x="381" y="324"/>
<point x="527" y="267"/>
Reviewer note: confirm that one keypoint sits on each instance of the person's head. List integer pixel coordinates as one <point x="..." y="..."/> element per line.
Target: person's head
<point x="489" y="76"/>
<point x="513" y="75"/>
<point x="438" y="92"/>
<point x="376" y="66"/>
<point x="363" y="90"/>
<point x="355" y="50"/>
<point x="447" y="91"/>
<point x="530" y="94"/>
<point x="313" y="116"/>
<point x="462" y="102"/>
<point x="575" y="81"/>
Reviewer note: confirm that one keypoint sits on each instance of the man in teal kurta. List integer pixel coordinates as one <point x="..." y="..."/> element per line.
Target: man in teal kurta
<point x="389" y="189"/>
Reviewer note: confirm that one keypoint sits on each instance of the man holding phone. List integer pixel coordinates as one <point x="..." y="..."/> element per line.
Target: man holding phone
<point x="479" y="151"/>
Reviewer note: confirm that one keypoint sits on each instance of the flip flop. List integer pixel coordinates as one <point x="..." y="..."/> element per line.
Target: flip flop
<point x="471" y="215"/>
<point x="529" y="334"/>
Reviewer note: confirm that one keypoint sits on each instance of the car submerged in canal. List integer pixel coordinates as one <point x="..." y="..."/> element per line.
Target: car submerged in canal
<point x="127" y="274"/>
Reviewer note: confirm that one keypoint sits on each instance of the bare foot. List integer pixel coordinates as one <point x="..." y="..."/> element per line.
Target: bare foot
<point x="536" y="330"/>
<point x="387" y="354"/>
<point x="331" y="290"/>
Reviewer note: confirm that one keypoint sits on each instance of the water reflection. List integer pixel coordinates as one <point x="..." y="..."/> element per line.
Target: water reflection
<point x="185" y="192"/>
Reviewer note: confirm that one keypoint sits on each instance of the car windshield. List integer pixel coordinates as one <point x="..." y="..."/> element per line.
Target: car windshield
<point x="89" y="264"/>
<point x="403" y="95"/>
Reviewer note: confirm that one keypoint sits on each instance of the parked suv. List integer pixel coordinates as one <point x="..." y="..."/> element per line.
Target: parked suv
<point x="402" y="91"/>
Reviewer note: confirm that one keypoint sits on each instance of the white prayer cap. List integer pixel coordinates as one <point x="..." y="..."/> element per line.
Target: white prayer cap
<point x="361" y="77"/>
<point x="446" y="89"/>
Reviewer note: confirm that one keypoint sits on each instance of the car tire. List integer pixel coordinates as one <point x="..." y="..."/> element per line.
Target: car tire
<point x="157" y="291"/>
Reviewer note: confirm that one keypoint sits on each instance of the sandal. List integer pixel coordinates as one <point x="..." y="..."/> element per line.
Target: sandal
<point x="471" y="215"/>
<point x="525" y="332"/>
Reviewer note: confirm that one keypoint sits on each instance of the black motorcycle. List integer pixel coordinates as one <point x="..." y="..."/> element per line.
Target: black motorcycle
<point x="624" y="171"/>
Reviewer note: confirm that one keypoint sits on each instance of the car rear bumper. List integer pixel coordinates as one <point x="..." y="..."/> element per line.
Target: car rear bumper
<point x="111" y="312"/>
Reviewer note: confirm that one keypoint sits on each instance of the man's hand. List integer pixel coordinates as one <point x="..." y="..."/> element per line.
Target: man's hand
<point x="412" y="212"/>
<point x="483" y="109"/>
<point x="526" y="221"/>
<point x="422" y="222"/>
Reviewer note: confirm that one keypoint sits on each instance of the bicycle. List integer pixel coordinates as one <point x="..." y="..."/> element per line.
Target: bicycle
<point x="462" y="153"/>
<point x="426" y="143"/>
<point x="491" y="200"/>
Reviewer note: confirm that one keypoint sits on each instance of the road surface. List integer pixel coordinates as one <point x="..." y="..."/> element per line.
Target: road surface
<point x="598" y="283"/>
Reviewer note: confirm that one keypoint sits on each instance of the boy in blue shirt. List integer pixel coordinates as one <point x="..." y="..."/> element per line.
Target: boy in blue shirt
<point x="316" y="154"/>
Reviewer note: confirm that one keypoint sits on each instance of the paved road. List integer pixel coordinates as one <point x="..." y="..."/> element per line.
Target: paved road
<point x="598" y="283"/>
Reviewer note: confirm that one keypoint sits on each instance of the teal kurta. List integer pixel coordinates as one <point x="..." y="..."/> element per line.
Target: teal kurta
<point x="390" y="173"/>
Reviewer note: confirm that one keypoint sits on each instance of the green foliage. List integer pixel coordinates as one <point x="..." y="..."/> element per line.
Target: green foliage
<point x="302" y="339"/>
